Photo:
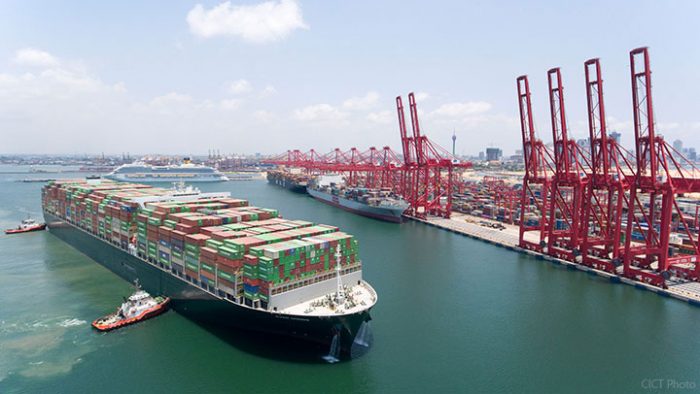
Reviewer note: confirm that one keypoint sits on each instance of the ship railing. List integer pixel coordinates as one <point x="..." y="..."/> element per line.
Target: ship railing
<point x="371" y="292"/>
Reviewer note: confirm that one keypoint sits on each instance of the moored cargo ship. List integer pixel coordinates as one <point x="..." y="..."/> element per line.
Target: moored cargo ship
<point x="219" y="260"/>
<point x="373" y="203"/>
<point x="292" y="180"/>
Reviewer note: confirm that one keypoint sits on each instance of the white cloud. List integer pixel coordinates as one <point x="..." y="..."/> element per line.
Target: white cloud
<point x="260" y="23"/>
<point x="268" y="91"/>
<point x="460" y="110"/>
<point x="170" y="99"/>
<point x="263" y="116"/>
<point x="421" y="96"/>
<point x="35" y="58"/>
<point x="382" y="117"/>
<point x="319" y="112"/>
<point x="614" y="124"/>
<point x="51" y="84"/>
<point x="241" y="86"/>
<point x="119" y="87"/>
<point x="231" y="104"/>
<point x="668" y="126"/>
<point x="362" y="103"/>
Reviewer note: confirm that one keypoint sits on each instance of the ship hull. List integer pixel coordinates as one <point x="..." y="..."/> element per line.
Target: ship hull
<point x="200" y="305"/>
<point x="385" y="214"/>
<point x="287" y="184"/>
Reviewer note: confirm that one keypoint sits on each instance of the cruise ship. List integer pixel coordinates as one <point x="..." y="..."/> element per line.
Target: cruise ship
<point x="185" y="172"/>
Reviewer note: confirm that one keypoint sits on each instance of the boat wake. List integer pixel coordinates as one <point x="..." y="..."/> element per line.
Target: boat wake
<point x="72" y="323"/>
<point x="363" y="341"/>
<point x="334" y="352"/>
<point x="38" y="325"/>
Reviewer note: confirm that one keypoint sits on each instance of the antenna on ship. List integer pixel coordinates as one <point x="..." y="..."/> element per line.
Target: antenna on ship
<point x="340" y="298"/>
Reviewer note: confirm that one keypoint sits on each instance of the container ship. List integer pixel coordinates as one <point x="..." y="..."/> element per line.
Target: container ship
<point x="220" y="260"/>
<point x="374" y="203"/>
<point x="294" y="181"/>
<point x="184" y="172"/>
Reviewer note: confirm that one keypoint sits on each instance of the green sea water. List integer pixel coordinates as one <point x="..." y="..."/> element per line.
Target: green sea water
<point x="454" y="315"/>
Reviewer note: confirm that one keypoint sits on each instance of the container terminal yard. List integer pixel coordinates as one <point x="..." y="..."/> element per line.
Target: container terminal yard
<point x="595" y="207"/>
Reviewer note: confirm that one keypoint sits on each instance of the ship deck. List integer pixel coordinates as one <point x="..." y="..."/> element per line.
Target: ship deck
<point x="359" y="297"/>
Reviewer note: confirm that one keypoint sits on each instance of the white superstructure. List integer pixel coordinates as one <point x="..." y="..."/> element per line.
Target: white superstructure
<point x="186" y="172"/>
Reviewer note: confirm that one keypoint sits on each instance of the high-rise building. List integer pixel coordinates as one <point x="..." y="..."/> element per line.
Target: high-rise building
<point x="692" y="155"/>
<point x="616" y="136"/>
<point x="493" y="154"/>
<point x="678" y="145"/>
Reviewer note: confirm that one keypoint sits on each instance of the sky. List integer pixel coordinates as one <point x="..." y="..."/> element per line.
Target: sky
<point x="175" y="76"/>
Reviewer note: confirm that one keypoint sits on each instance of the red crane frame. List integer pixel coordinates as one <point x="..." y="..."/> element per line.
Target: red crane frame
<point x="535" y="196"/>
<point x="426" y="176"/>
<point x="610" y="178"/>
<point x="660" y="178"/>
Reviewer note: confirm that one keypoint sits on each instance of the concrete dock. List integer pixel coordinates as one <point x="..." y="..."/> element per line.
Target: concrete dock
<point x="508" y="237"/>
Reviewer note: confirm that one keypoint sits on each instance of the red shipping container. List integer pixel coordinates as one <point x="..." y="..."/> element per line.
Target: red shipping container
<point x="211" y="230"/>
<point x="250" y="260"/>
<point x="196" y="239"/>
<point x="227" y="283"/>
<point x="208" y="252"/>
<point x="186" y="228"/>
<point x="222" y="235"/>
<point x="231" y="264"/>
<point x="178" y="235"/>
<point x="226" y="268"/>
<point x="207" y="274"/>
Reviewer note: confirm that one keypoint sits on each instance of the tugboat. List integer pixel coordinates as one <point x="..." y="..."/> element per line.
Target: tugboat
<point x="138" y="307"/>
<point x="26" y="226"/>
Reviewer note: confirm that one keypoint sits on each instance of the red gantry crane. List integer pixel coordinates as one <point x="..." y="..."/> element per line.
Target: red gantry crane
<point x="610" y="178"/>
<point x="565" y="233"/>
<point x="425" y="177"/>
<point x="535" y="197"/>
<point x="430" y="169"/>
<point x="662" y="175"/>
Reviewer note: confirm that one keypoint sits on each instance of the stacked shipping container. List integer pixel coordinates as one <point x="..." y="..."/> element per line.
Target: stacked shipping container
<point x="221" y="244"/>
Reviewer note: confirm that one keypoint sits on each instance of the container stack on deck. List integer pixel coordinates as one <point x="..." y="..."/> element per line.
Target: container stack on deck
<point x="221" y="244"/>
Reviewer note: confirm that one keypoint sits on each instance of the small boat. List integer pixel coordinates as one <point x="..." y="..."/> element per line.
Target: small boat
<point x="26" y="226"/>
<point x="138" y="307"/>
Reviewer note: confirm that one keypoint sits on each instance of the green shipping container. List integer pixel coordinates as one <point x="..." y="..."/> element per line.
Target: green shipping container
<point x="207" y="267"/>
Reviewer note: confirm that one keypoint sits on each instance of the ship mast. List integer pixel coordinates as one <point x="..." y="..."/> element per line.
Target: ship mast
<point x="339" y="296"/>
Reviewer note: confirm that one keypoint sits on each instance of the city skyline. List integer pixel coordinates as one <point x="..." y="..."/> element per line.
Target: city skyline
<point x="183" y="77"/>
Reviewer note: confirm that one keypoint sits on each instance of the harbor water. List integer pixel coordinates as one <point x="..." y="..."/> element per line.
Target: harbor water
<point x="454" y="315"/>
